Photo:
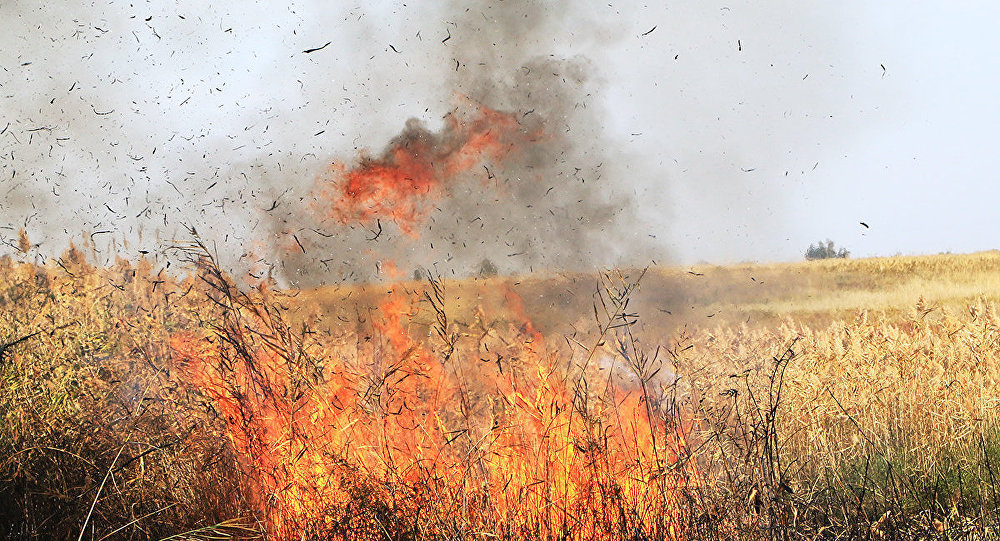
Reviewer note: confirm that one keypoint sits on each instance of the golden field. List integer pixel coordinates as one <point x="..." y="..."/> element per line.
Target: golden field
<point x="837" y="399"/>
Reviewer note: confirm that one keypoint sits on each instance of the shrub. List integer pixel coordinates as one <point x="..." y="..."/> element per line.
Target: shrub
<point x="826" y="250"/>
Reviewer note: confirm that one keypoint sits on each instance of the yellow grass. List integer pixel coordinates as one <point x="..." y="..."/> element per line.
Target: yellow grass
<point x="850" y="396"/>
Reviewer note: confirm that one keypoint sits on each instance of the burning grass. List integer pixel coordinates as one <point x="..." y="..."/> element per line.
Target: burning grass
<point x="147" y="407"/>
<point x="435" y="442"/>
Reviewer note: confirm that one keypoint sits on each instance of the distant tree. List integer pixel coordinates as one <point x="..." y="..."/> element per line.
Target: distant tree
<point x="419" y="274"/>
<point x="826" y="250"/>
<point x="487" y="268"/>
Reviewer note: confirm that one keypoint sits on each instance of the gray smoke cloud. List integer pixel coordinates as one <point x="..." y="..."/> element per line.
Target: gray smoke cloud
<point x="555" y="205"/>
<point x="142" y="119"/>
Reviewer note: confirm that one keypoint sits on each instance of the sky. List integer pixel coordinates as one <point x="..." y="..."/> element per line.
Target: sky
<point x="675" y="132"/>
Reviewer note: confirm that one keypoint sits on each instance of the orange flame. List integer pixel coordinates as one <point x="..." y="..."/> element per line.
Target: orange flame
<point x="512" y="446"/>
<point x="418" y="166"/>
<point x="389" y="269"/>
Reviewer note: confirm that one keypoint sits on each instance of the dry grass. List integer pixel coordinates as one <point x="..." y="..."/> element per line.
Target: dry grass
<point x="883" y="424"/>
<point x="91" y="395"/>
<point x="859" y="401"/>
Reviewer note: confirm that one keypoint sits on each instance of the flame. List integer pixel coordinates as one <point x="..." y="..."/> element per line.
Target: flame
<point x="515" y="445"/>
<point x="418" y="166"/>
<point x="271" y="429"/>
<point x="515" y="304"/>
<point x="389" y="269"/>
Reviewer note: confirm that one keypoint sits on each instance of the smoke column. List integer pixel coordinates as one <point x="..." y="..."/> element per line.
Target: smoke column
<point x="245" y="120"/>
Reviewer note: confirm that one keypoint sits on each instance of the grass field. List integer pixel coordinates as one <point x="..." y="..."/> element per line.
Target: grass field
<point x="761" y="295"/>
<point x="839" y="399"/>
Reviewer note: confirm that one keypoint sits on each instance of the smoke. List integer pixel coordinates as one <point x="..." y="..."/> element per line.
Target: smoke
<point x="143" y="119"/>
<point x="540" y="196"/>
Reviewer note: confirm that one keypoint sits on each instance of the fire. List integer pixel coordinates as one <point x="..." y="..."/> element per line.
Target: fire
<point x="516" y="445"/>
<point x="383" y="432"/>
<point x="418" y="166"/>
<point x="389" y="269"/>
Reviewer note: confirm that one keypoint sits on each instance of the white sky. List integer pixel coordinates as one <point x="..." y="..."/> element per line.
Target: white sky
<point x="710" y="110"/>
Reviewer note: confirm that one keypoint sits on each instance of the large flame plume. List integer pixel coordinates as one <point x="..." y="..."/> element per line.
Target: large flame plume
<point x="443" y="433"/>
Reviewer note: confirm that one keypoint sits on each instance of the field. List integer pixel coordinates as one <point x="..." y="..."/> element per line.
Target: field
<point x="838" y="399"/>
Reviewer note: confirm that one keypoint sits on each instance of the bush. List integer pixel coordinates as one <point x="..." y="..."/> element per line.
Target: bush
<point x="826" y="250"/>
